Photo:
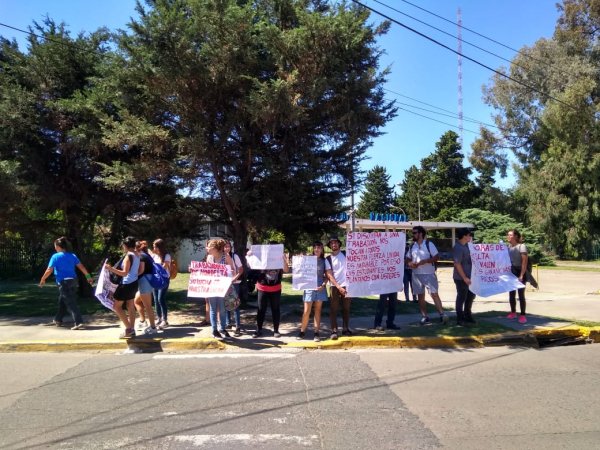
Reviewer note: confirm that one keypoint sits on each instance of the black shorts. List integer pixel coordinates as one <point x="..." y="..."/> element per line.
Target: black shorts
<point x="126" y="291"/>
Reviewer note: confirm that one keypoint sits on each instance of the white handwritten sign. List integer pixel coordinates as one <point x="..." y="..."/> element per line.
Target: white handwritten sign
<point x="105" y="289"/>
<point x="374" y="263"/>
<point x="304" y="272"/>
<point x="263" y="257"/>
<point x="491" y="273"/>
<point x="208" y="279"/>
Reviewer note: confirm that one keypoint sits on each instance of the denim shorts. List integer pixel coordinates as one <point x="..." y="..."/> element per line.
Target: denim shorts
<point x="315" y="296"/>
<point x="144" y="286"/>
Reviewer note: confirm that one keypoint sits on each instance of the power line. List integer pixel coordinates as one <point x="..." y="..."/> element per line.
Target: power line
<point x="46" y="38"/>
<point x="435" y="120"/>
<point x="508" y="77"/>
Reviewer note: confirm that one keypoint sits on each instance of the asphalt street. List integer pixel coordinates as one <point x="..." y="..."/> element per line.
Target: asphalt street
<point x="389" y="399"/>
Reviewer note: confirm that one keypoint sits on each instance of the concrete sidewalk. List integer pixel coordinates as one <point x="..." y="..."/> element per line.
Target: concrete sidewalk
<point x="564" y="297"/>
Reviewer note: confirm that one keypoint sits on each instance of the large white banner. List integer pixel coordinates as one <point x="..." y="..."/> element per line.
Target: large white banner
<point x="263" y="257"/>
<point x="374" y="263"/>
<point x="208" y="279"/>
<point x="105" y="289"/>
<point x="304" y="272"/>
<point x="490" y="273"/>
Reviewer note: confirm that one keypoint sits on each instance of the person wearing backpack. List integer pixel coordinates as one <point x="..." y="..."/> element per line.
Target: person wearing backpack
<point x="143" y="298"/>
<point x="159" y="255"/>
<point x="422" y="257"/>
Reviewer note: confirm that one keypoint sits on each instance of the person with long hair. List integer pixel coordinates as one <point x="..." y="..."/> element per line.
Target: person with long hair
<point x="143" y="298"/>
<point x="237" y="279"/>
<point x="63" y="264"/>
<point x="161" y="256"/>
<point x="518" y="262"/>
<point x="216" y="254"/>
<point x="129" y="270"/>
<point x="316" y="296"/>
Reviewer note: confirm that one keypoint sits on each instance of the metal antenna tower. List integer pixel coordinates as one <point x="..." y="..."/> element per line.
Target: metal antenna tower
<point x="460" y="92"/>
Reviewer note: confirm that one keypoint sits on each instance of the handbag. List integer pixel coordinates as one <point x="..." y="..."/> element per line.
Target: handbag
<point x="232" y="301"/>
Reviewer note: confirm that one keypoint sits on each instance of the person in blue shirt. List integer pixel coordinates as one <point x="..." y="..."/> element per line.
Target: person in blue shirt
<point x="63" y="264"/>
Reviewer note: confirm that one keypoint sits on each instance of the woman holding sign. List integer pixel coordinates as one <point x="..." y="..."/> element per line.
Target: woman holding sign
<point x="216" y="254"/>
<point x="518" y="261"/>
<point x="316" y="296"/>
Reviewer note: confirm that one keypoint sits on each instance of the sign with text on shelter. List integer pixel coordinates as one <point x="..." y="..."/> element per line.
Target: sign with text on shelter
<point x="105" y="289"/>
<point x="261" y="257"/>
<point x="208" y="279"/>
<point x="490" y="273"/>
<point x="374" y="263"/>
<point x="304" y="272"/>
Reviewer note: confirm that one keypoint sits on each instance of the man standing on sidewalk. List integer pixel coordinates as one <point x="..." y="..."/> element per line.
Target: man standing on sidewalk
<point x="337" y="281"/>
<point x="422" y="256"/>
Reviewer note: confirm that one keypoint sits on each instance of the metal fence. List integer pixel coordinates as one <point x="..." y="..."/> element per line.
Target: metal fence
<point x="22" y="259"/>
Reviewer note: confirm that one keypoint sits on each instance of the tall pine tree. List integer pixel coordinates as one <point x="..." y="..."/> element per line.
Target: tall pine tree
<point x="378" y="195"/>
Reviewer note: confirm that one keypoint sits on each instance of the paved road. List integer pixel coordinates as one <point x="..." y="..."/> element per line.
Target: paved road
<point x="388" y="399"/>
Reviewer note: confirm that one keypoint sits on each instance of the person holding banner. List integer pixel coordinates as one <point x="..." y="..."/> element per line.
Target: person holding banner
<point x="423" y="255"/>
<point x="216" y="254"/>
<point x="316" y="296"/>
<point x="128" y="286"/>
<point x="63" y="263"/>
<point x="337" y="281"/>
<point x="518" y="261"/>
<point x="462" y="277"/>
<point x="235" y="282"/>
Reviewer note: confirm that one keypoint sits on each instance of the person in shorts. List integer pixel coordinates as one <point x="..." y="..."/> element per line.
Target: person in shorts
<point x="143" y="298"/>
<point x="422" y="256"/>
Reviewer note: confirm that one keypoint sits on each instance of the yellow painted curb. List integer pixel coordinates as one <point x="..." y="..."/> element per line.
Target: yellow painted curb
<point x="193" y="344"/>
<point x="61" y="346"/>
<point x="391" y="342"/>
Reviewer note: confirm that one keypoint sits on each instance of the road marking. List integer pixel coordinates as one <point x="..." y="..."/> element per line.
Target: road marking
<point x="227" y="355"/>
<point x="200" y="440"/>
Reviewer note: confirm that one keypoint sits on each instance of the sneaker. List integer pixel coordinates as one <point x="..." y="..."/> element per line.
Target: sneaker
<point x="54" y="323"/>
<point x="229" y="327"/>
<point x="225" y="333"/>
<point x="143" y="325"/>
<point x="512" y="315"/>
<point x="317" y="337"/>
<point x="257" y="333"/>
<point x="78" y="326"/>
<point x="346" y="332"/>
<point x="443" y="319"/>
<point x="237" y="332"/>
<point x="334" y="335"/>
<point x="128" y="333"/>
<point x="300" y="335"/>
<point x="162" y="325"/>
<point x="379" y="328"/>
<point x="148" y="331"/>
<point x="425" y="321"/>
<point x="277" y="334"/>
<point x="217" y="335"/>
<point x="522" y="318"/>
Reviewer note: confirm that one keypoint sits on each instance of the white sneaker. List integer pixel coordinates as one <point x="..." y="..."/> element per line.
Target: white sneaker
<point x="143" y="325"/>
<point x="150" y="331"/>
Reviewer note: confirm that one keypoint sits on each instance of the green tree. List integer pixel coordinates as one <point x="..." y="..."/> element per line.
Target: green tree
<point x="441" y="185"/>
<point x="378" y="195"/>
<point x="269" y="105"/>
<point x="555" y="138"/>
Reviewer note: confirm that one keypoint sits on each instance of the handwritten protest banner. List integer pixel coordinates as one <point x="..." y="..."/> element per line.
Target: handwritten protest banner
<point x="105" y="289"/>
<point x="304" y="272"/>
<point x="208" y="279"/>
<point x="263" y="257"/>
<point x="490" y="274"/>
<point x="374" y="263"/>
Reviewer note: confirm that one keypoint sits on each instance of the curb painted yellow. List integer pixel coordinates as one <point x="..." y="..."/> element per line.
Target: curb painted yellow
<point x="193" y="344"/>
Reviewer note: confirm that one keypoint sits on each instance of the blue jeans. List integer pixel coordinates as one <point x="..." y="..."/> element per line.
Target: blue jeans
<point x="217" y="304"/>
<point x="67" y="300"/>
<point x="160" y="302"/>
<point x="236" y="312"/>
<point x="391" y="299"/>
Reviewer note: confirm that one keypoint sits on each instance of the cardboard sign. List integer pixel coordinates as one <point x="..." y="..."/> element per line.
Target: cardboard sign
<point x="374" y="263"/>
<point x="262" y="257"/>
<point x="490" y="273"/>
<point x="105" y="289"/>
<point x="208" y="279"/>
<point x="304" y="272"/>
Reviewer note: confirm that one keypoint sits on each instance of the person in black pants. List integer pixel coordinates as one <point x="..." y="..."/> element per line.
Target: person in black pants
<point x="462" y="277"/>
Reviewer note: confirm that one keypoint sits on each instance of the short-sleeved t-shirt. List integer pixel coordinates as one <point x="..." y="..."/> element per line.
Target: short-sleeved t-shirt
<point x="148" y="263"/>
<point x="418" y="253"/>
<point x="156" y="258"/>
<point x="63" y="264"/>
<point x="322" y="267"/>
<point x="461" y="255"/>
<point x="338" y="267"/>
<point x="515" y="254"/>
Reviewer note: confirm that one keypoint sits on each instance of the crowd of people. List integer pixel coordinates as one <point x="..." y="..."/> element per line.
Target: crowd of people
<point x="134" y="292"/>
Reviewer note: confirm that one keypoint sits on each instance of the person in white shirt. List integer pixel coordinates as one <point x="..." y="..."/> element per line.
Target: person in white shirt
<point x="422" y="256"/>
<point x="337" y="281"/>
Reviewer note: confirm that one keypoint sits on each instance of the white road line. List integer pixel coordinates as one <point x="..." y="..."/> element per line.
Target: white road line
<point x="226" y="355"/>
<point x="200" y="440"/>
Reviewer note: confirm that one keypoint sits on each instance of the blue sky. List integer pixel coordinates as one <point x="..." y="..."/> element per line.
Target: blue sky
<point x="420" y="69"/>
